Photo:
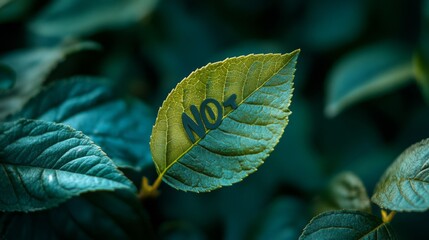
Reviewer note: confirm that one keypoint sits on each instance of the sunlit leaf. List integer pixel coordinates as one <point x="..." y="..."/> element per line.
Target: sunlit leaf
<point x="121" y="127"/>
<point x="97" y="215"/>
<point x="85" y="17"/>
<point x="345" y="191"/>
<point x="7" y="78"/>
<point x="347" y="224"/>
<point x="32" y="67"/>
<point x="405" y="184"/>
<point x="220" y="123"/>
<point x="43" y="164"/>
<point x="365" y="73"/>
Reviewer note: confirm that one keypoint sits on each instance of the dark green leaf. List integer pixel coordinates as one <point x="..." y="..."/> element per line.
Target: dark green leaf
<point x="220" y="123"/>
<point x="345" y="191"/>
<point x="98" y="215"/>
<point x="405" y="184"/>
<point x="347" y="225"/>
<point x="43" y="164"/>
<point x="119" y="126"/>
<point x="7" y="78"/>
<point x="13" y="9"/>
<point x="85" y="17"/>
<point x="320" y="28"/>
<point x="180" y="231"/>
<point x="32" y="67"/>
<point x="365" y="73"/>
<point x="283" y="220"/>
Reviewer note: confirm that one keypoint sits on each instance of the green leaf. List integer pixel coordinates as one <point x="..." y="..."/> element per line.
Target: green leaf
<point x="11" y="10"/>
<point x="421" y="72"/>
<point x="283" y="220"/>
<point x="245" y="104"/>
<point x="7" y="78"/>
<point x="320" y="29"/>
<point x="32" y="67"/>
<point x="96" y="215"/>
<point x="346" y="225"/>
<point x="405" y="184"/>
<point x="345" y="191"/>
<point x="365" y="73"/>
<point x="85" y="17"/>
<point x="43" y="164"/>
<point x="121" y="127"/>
<point x="179" y="230"/>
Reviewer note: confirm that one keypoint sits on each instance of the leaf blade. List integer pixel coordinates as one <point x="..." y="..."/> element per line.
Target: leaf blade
<point x="404" y="185"/>
<point x="365" y="73"/>
<point x="32" y="66"/>
<point x="346" y="224"/>
<point x="44" y="164"/>
<point x="344" y="191"/>
<point x="72" y="219"/>
<point x="254" y="80"/>
<point x="88" y="17"/>
<point x="121" y="127"/>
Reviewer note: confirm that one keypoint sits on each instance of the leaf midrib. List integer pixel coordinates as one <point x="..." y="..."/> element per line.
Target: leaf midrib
<point x="59" y="170"/>
<point x="292" y="55"/>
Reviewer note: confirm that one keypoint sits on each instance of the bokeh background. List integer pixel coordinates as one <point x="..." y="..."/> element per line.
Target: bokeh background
<point x="146" y="47"/>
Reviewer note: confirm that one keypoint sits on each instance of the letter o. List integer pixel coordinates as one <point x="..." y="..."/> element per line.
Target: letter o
<point x="204" y="108"/>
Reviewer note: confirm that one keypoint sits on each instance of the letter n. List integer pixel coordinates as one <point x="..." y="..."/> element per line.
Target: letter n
<point x="191" y="126"/>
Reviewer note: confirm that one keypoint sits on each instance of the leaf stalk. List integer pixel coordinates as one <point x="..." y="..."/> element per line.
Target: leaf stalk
<point x="387" y="218"/>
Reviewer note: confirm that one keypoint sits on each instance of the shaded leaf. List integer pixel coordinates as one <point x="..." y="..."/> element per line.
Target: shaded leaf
<point x="346" y="225"/>
<point x="283" y="220"/>
<point x="7" y="78"/>
<point x="13" y="9"/>
<point x="85" y="17"/>
<point x="345" y="191"/>
<point x="243" y="111"/>
<point x="405" y="184"/>
<point x="320" y="28"/>
<point x="32" y="67"/>
<point x="180" y="231"/>
<point x="121" y="127"/>
<point x="97" y="215"/>
<point x="43" y="164"/>
<point x="365" y="73"/>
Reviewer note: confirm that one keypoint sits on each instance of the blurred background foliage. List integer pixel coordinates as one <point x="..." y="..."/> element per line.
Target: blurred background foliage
<point x="361" y="91"/>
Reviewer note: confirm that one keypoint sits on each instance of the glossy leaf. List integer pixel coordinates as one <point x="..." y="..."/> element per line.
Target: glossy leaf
<point x="85" y="17"/>
<point x="7" y="78"/>
<point x="345" y="191"/>
<point x="365" y="73"/>
<point x="347" y="225"/>
<point x="405" y="184"/>
<point x="32" y="67"/>
<point x="43" y="164"/>
<point x="121" y="127"/>
<point x="97" y="215"/>
<point x="243" y="110"/>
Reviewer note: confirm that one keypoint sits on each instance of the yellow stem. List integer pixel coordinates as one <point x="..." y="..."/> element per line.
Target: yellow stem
<point x="147" y="190"/>
<point x="387" y="218"/>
